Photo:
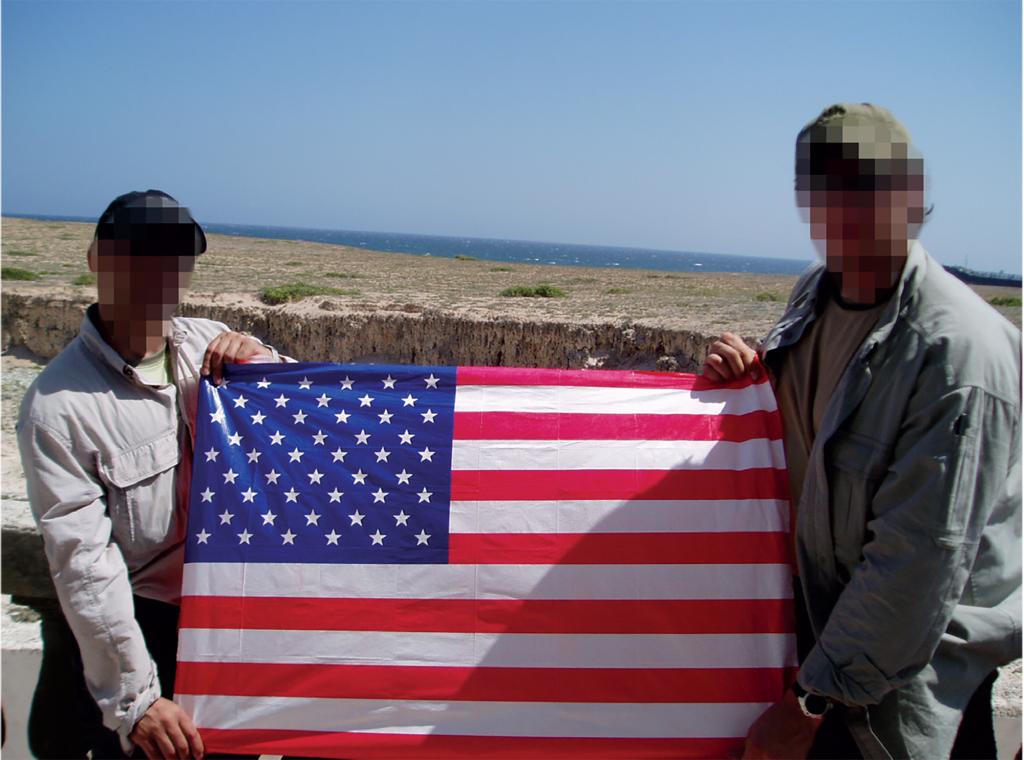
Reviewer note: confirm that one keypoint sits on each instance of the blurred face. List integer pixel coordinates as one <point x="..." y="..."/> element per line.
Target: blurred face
<point x="861" y="221"/>
<point x="143" y="290"/>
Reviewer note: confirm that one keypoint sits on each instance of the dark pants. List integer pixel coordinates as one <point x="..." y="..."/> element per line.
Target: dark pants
<point x="65" y="721"/>
<point x="975" y="739"/>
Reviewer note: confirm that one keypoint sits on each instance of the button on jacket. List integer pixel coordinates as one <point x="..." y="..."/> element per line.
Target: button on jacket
<point x="908" y="531"/>
<point x="107" y="482"/>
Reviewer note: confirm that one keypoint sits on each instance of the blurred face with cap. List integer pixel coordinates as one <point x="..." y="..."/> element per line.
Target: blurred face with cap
<point x="860" y="185"/>
<point x="143" y="253"/>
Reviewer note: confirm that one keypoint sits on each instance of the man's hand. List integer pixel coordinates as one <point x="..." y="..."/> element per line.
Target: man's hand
<point x="729" y="358"/>
<point x="230" y="348"/>
<point x="782" y="732"/>
<point x="166" y="731"/>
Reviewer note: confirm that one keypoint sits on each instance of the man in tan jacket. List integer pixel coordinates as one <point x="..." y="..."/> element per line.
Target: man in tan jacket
<point x="106" y="434"/>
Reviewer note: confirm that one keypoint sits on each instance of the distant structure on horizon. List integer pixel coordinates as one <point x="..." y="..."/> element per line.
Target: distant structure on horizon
<point x="973" y="277"/>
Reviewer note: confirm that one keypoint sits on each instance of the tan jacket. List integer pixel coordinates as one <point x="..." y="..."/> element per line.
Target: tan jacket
<point x="102" y="453"/>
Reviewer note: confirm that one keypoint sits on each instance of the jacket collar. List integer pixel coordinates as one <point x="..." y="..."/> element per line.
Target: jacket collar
<point x="98" y="346"/>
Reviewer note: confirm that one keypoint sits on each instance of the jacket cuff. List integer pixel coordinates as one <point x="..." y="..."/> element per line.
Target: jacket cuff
<point x="130" y="710"/>
<point x="858" y="683"/>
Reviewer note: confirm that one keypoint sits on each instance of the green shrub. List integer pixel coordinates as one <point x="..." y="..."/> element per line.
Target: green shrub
<point x="500" y="269"/>
<point x="294" y="263"/>
<point x="463" y="257"/>
<point x="14" y="273"/>
<point x="342" y="275"/>
<point x="766" y="296"/>
<point x="1004" y="301"/>
<point x="296" y="291"/>
<point x="618" y="291"/>
<point x="543" y="290"/>
<point x="85" y="279"/>
<point x="17" y="252"/>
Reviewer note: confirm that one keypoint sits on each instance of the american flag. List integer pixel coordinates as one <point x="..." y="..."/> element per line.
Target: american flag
<point x="434" y="562"/>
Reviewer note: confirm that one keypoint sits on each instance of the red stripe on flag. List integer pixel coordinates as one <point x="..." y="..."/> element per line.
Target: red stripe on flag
<point x="550" y="485"/>
<point x="530" y="426"/>
<point x="491" y="615"/>
<point x="594" y="378"/>
<point x="378" y="746"/>
<point x="619" y="548"/>
<point x="483" y="684"/>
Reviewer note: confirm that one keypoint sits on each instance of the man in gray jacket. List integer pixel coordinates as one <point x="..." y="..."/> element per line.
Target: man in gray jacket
<point x="106" y="434"/>
<point x="899" y="390"/>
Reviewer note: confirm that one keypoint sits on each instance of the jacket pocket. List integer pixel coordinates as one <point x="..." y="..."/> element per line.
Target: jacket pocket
<point x="858" y="465"/>
<point x="141" y="492"/>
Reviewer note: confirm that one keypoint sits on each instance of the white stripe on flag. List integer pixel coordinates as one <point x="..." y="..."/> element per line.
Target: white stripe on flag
<point x="543" y="719"/>
<point x="302" y="580"/>
<point x="509" y="650"/>
<point x="618" y="516"/>
<point x="616" y="455"/>
<point x="590" y="400"/>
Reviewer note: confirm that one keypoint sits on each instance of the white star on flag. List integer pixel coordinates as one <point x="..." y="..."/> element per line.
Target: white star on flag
<point x="268" y="517"/>
<point x="299" y="417"/>
<point x="378" y="538"/>
<point x="322" y="400"/>
<point x="276" y="438"/>
<point x="401" y="518"/>
<point x="304" y="383"/>
<point x="365" y="400"/>
<point x="426" y="455"/>
<point x="235" y="439"/>
<point x="319" y="438"/>
<point x="389" y="382"/>
<point x="244" y="536"/>
<point x="202" y="535"/>
<point x="241" y="401"/>
<point x="207" y="495"/>
<point x="406" y="437"/>
<point x="431" y="381"/>
<point x="295" y="455"/>
<point x="281" y="401"/>
<point x="314" y="477"/>
<point x="229" y="476"/>
<point x="409" y="401"/>
<point x="335" y="495"/>
<point x="379" y="495"/>
<point x="428" y="416"/>
<point x="257" y="419"/>
<point x="332" y="537"/>
<point x="339" y="454"/>
<point x="288" y="537"/>
<point x="312" y="517"/>
<point x="346" y="384"/>
<point x="422" y="537"/>
<point x="383" y="454"/>
<point x="225" y="517"/>
<point x="272" y="476"/>
<point x="385" y="417"/>
<point x="217" y="416"/>
<point x="291" y="495"/>
<point x="248" y="495"/>
<point x="264" y="383"/>
<point x="403" y="477"/>
<point x="359" y="477"/>
<point x="356" y="518"/>
<point x="341" y="417"/>
<point x="211" y="455"/>
<point x="362" y="437"/>
<point x="254" y="455"/>
<point x="424" y="496"/>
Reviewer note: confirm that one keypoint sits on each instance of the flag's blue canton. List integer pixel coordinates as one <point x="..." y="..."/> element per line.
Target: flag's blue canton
<point x="323" y="463"/>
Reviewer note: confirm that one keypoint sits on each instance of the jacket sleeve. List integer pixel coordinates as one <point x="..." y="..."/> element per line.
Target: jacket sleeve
<point x="90" y="576"/>
<point x="954" y="465"/>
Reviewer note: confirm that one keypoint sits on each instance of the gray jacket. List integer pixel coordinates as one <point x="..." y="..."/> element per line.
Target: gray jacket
<point x="106" y="480"/>
<point x="909" y="526"/>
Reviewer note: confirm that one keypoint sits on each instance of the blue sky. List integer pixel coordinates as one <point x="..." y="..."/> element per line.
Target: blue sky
<point x="662" y="124"/>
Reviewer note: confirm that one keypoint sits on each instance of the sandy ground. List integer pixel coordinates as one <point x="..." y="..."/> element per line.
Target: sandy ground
<point x="235" y="269"/>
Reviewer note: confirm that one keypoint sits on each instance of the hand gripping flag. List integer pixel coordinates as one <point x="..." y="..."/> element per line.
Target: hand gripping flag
<point x="394" y="561"/>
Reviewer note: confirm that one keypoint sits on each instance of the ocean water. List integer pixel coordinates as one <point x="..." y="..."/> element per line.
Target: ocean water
<point x="508" y="251"/>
